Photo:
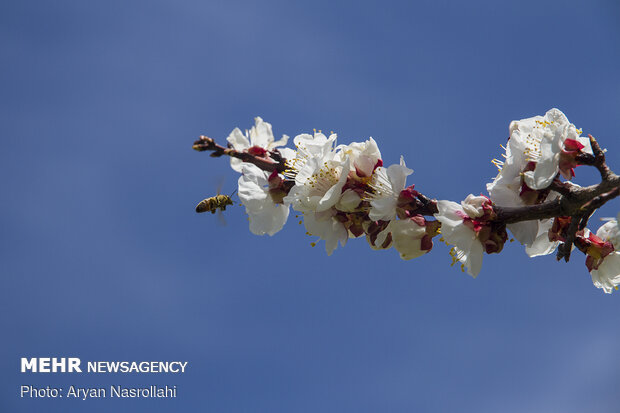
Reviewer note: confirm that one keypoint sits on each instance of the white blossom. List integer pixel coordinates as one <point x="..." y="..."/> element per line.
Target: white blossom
<point x="541" y="140"/>
<point x="259" y="136"/>
<point x="349" y="201"/>
<point x="607" y="275"/>
<point x="325" y="226"/>
<point x="319" y="174"/>
<point x="532" y="161"/>
<point x="467" y="249"/>
<point x="266" y="217"/>
<point x="610" y="231"/>
<point x="541" y="244"/>
<point x="387" y="184"/>
<point x="364" y="158"/>
<point x="407" y="237"/>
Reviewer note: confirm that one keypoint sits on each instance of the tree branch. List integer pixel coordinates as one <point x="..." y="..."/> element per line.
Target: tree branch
<point x="574" y="201"/>
<point x="274" y="162"/>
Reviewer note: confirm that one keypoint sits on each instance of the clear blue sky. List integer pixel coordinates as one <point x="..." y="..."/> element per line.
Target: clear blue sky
<point x="102" y="256"/>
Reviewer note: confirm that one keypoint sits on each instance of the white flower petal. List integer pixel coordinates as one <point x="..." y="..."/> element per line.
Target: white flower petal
<point x="326" y="228"/>
<point x="287" y="153"/>
<point x="407" y="238"/>
<point x="266" y="217"/>
<point x="268" y="220"/>
<point x="261" y="134"/>
<point x="474" y="259"/>
<point x="238" y="140"/>
<point x="349" y="201"/>
<point x="610" y="232"/>
<point x="333" y="194"/>
<point x="280" y="142"/>
<point x="448" y="214"/>
<point x="472" y="205"/>
<point x="397" y="174"/>
<point x="546" y="168"/>
<point x="467" y="249"/>
<point x="607" y="277"/>
<point x="541" y="244"/>
<point x="525" y="232"/>
<point x="383" y="209"/>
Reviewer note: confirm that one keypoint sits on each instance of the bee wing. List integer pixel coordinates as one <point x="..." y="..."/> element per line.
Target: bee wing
<point x="220" y="218"/>
<point x="220" y="184"/>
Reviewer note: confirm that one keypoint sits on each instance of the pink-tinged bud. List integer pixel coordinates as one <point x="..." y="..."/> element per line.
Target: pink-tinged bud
<point x="257" y="151"/>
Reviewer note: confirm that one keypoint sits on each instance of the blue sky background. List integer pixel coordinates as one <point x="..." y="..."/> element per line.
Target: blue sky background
<point x="103" y="258"/>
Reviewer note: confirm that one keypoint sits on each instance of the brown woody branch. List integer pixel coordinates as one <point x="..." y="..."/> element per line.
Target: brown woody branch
<point x="274" y="162"/>
<point x="597" y="159"/>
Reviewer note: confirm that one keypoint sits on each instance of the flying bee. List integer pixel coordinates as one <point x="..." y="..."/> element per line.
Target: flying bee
<point x="218" y="202"/>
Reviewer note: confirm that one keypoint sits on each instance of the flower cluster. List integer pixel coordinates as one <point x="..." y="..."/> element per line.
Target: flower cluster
<point x="341" y="191"/>
<point x="345" y="191"/>
<point x="538" y="149"/>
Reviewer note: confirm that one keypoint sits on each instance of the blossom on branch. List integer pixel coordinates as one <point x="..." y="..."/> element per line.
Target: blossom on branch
<point x="549" y="142"/>
<point x="538" y="149"/>
<point x="412" y="237"/>
<point x="388" y="185"/>
<point x="320" y="174"/>
<point x="603" y="255"/>
<point x="258" y="142"/>
<point x="257" y="190"/>
<point x="469" y="227"/>
<point x="344" y="191"/>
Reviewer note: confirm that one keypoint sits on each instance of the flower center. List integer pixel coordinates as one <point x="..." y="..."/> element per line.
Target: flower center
<point x="324" y="179"/>
<point x="381" y="187"/>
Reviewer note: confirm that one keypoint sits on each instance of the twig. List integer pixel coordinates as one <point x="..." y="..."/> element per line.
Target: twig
<point x="565" y="248"/>
<point x="274" y="163"/>
<point x="597" y="159"/>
